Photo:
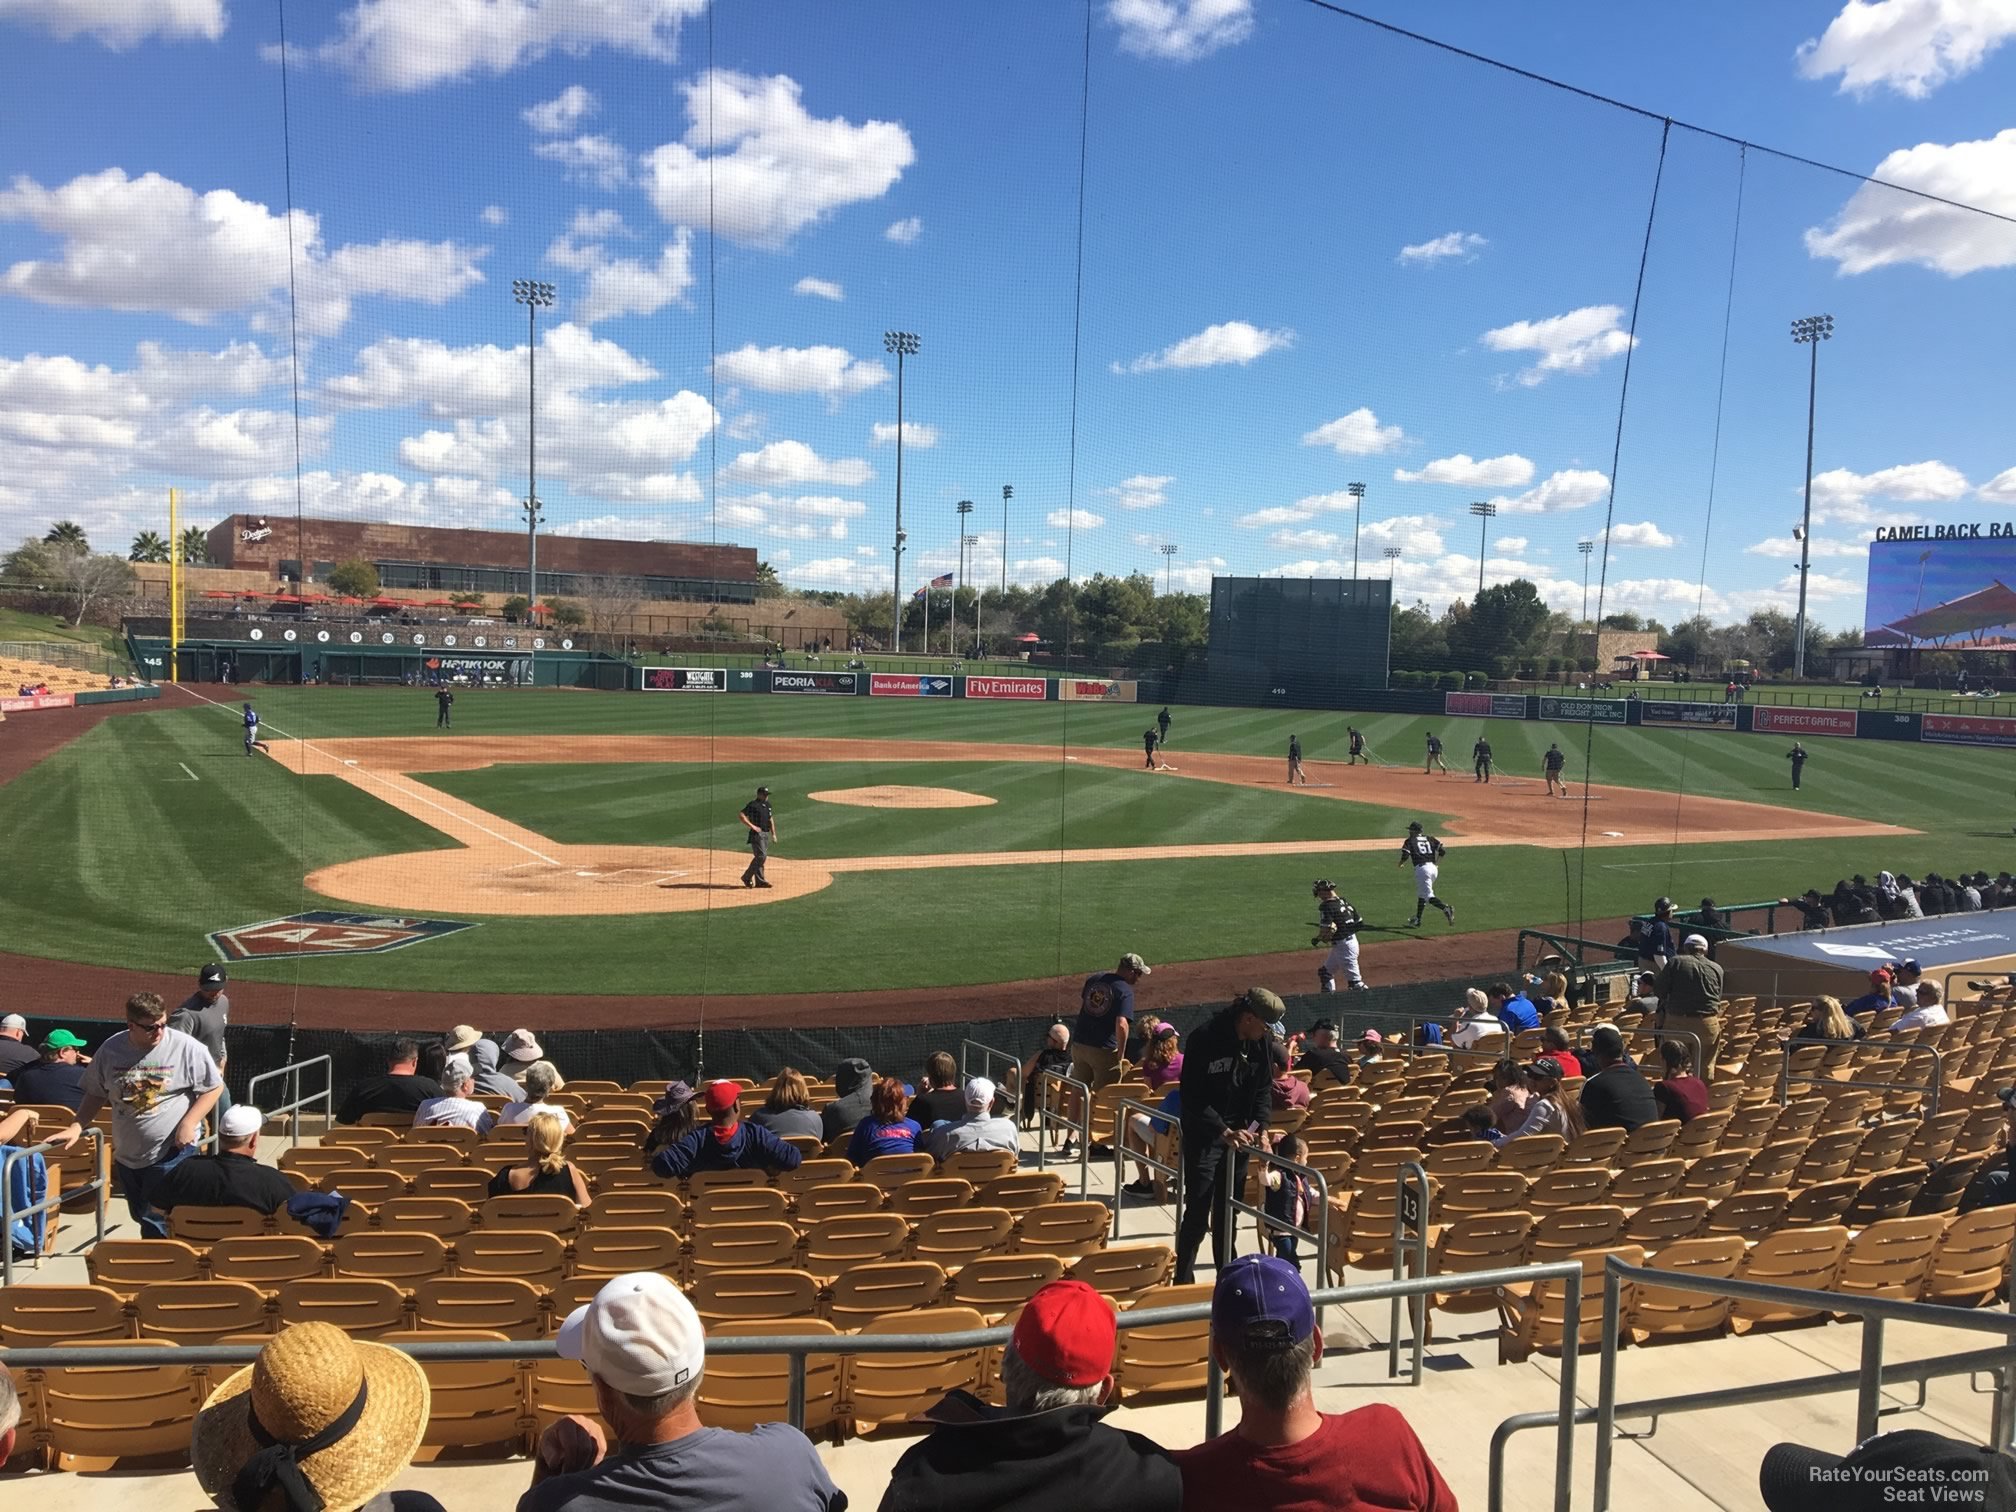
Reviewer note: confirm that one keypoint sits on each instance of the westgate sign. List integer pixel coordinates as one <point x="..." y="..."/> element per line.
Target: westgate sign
<point x="1973" y="530"/>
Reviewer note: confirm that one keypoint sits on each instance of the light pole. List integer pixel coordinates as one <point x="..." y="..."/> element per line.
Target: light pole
<point x="902" y="344"/>
<point x="1392" y="562"/>
<point x="1585" y="547"/>
<point x="1484" y="512"/>
<point x="974" y="541"/>
<point x="1007" y="493"/>
<point x="1357" y="492"/>
<point x="965" y="507"/>
<point x="1168" y="550"/>
<point x="534" y="296"/>
<point x="1808" y="331"/>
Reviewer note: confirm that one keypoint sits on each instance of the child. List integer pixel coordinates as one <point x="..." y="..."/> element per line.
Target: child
<point x="1289" y="1198"/>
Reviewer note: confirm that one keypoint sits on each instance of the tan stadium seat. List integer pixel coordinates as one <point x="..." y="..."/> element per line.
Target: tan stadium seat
<point x="1533" y="1319"/>
<point x="1715" y="1175"/>
<point x="405" y="1256"/>
<point x="1477" y="1242"/>
<point x="96" y="1415"/>
<point x="1570" y="1186"/>
<point x="770" y="1292"/>
<point x="1828" y="1158"/>
<point x="1891" y="1258"/>
<point x="556" y="1389"/>
<point x="1947" y="1185"/>
<point x="1593" y="1147"/>
<point x="371" y="1184"/>
<point x="897" y="1387"/>
<point x="617" y="1251"/>
<point x="980" y="1166"/>
<point x="493" y="1154"/>
<point x="266" y="1260"/>
<point x="1462" y="1158"/>
<point x="1970" y="1267"/>
<point x="862" y="1293"/>
<point x="204" y="1226"/>
<point x="739" y="1205"/>
<point x="1648" y="1142"/>
<point x="1885" y="1146"/>
<point x="1821" y="1204"/>
<point x="409" y="1160"/>
<point x="547" y="1214"/>
<point x="1066" y="1229"/>
<point x="834" y="1199"/>
<point x="500" y="1304"/>
<point x="1774" y="1165"/>
<point x="1751" y="1215"/>
<point x="1888" y="1194"/>
<point x="1936" y="1137"/>
<point x="126" y="1265"/>
<point x="1020" y="1191"/>
<point x="444" y="1217"/>
<point x="708" y="1181"/>
<point x="474" y="1404"/>
<point x="1561" y="1233"/>
<point x="1660" y="1312"/>
<point x="1806" y="1257"/>
<point x="891" y="1171"/>
<point x="456" y="1136"/>
<point x="364" y="1309"/>
<point x="364" y="1137"/>
<point x="998" y="1284"/>
<point x="1666" y="1220"/>
<point x="1124" y="1273"/>
<point x="201" y="1312"/>
<point x="463" y="1182"/>
<point x="739" y="1392"/>
<point x="741" y="1246"/>
<point x="958" y="1236"/>
<point x="1467" y="1193"/>
<point x="1700" y="1134"/>
<point x="1749" y="1128"/>
<point x="815" y="1172"/>
<point x="316" y="1162"/>
<point x="921" y="1196"/>
<point x="1167" y="1357"/>
<point x="1531" y="1154"/>
<point x="532" y="1256"/>
<point x="831" y="1245"/>
<point x="1799" y="1119"/>
<point x="638" y="1209"/>
<point x="1648" y="1181"/>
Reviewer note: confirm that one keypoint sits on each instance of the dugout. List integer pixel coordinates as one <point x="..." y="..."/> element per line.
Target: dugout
<point x="1298" y="643"/>
<point x="1952" y="947"/>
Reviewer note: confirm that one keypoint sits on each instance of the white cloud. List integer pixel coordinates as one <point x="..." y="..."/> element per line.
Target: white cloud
<point x="1180" y="31"/>
<point x="120" y="24"/>
<point x="828" y="370"/>
<point x="1358" y="434"/>
<point x="613" y="527"/>
<point x="563" y="112"/>
<point x="1466" y="471"/>
<point x="396" y="45"/>
<point x="775" y="168"/>
<point x="2000" y="489"/>
<point x="592" y="160"/>
<point x="1645" y="533"/>
<point x="364" y="495"/>
<point x="1575" y="488"/>
<point x="914" y="434"/>
<point x="1784" y="546"/>
<point x="1844" y="496"/>
<point x="626" y="286"/>
<point x="819" y="288"/>
<point x="1909" y="46"/>
<point x="1418" y="536"/>
<point x="495" y="215"/>
<point x="747" y="426"/>
<point x="1463" y="244"/>
<point x="849" y="574"/>
<point x="904" y="231"/>
<point x="793" y="462"/>
<point x="1512" y="545"/>
<point x="814" y="517"/>
<point x="1307" y="540"/>
<point x="1880" y="227"/>
<point x="1820" y="586"/>
<point x="1573" y="343"/>
<point x="580" y="247"/>
<point x="483" y="380"/>
<point x="238" y="443"/>
<point x="1194" y="576"/>
<point x="151" y="244"/>
<point x="1142" y="491"/>
<point x="1235" y="341"/>
<point x="1079" y="519"/>
<point x="1305" y="508"/>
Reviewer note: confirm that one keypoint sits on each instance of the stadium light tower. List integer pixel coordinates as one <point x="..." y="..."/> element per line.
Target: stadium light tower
<point x="1808" y="331"/>
<point x="1357" y="492"/>
<point x="973" y="541"/>
<point x="535" y="296"/>
<point x="1168" y="550"/>
<point x="965" y="507"/>
<point x="901" y="344"/>
<point x="1585" y="547"/>
<point x="1484" y="512"/>
<point x="1007" y="493"/>
<point x="1392" y="562"/>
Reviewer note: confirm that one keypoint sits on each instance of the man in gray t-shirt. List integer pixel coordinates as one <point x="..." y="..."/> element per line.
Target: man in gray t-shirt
<point x="206" y="1014"/>
<point x="160" y="1085"/>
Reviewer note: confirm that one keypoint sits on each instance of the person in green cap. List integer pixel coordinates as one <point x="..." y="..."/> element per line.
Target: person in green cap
<point x="57" y="1078"/>
<point x="1227" y="1099"/>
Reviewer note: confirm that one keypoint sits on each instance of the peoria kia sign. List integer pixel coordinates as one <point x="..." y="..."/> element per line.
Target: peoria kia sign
<point x="326" y="933"/>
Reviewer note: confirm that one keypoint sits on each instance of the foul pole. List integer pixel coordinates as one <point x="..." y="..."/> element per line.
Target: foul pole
<point x="174" y="585"/>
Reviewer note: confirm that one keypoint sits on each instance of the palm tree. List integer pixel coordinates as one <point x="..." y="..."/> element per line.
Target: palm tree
<point x="148" y="547"/>
<point x="68" y="533"/>
<point x="195" y="546"/>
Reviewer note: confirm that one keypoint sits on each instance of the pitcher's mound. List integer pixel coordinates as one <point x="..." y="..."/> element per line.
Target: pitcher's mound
<point x="899" y="797"/>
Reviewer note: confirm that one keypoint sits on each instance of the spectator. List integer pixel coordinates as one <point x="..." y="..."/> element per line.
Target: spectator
<point x="490" y="1081"/>
<point x="1322" y="1057"/>
<point x="461" y="1040"/>
<point x="727" y="1143"/>
<point x="1680" y="1093"/>
<point x="1910" y="1467"/>
<point x="941" y="1101"/>
<point x="547" y="1172"/>
<point x="1904" y="990"/>
<point x="57" y="1079"/>
<point x="1145" y="1131"/>
<point x="1161" y="1062"/>
<point x="521" y="1053"/>
<point x="1054" y="1058"/>
<point x="160" y="1085"/>
<point x="400" y="1090"/>
<point x="1826" y="1019"/>
<point x="1046" y="1451"/>
<point x="1877" y="998"/>
<point x="1645" y="999"/>
<point x="15" y="1051"/>
<point x="885" y="1131"/>
<point x="456" y="1107"/>
<point x="542" y="1079"/>
<point x="1284" y="1454"/>
<point x="1105" y="1009"/>
<point x="319" y="1420"/>
<point x="1553" y="993"/>
<point x="1655" y="941"/>
<point x="854" y="1085"/>
<point x="1290" y="1198"/>
<point x="645" y="1352"/>
<point x="1708" y="916"/>
<point x="1371" y="1048"/>
<point x="1812" y="909"/>
<point x="981" y="1129"/>
<point x="1628" y="948"/>
<point x="1544" y="1111"/>
<point x="788" y="1110"/>
<point x="1690" y="996"/>
<point x="1994" y="1187"/>
<point x="673" y="1112"/>
<point x="1512" y="1009"/>
<point x="1289" y="1090"/>
<point x="1929" y="1014"/>
<point x="1475" y="1020"/>
<point x="1226" y="1092"/>
<point x="10" y="1414"/>
<point x="233" y="1177"/>
<point x="1615" y="1094"/>
<point x="1510" y="1094"/>
<point x="1555" y="1043"/>
<point x="205" y="1014"/>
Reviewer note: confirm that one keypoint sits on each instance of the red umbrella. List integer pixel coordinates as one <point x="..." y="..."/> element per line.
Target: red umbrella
<point x="1030" y="637"/>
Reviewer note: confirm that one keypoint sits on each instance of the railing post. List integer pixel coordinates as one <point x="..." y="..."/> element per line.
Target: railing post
<point x="1564" y="1433"/>
<point x="1869" y="1380"/>
<point x="795" y="1403"/>
<point x="1606" y="1379"/>
<point x="1214" y="1397"/>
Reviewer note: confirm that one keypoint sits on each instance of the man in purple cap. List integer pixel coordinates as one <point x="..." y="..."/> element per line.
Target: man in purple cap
<point x="1285" y="1455"/>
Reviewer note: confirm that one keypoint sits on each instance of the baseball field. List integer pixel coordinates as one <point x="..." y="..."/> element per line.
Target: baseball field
<point x="583" y="843"/>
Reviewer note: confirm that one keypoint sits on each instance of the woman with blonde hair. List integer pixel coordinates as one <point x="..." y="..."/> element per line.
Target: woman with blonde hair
<point x="1553" y="992"/>
<point x="548" y="1172"/>
<point x="1826" y="1019"/>
<point x="788" y="1109"/>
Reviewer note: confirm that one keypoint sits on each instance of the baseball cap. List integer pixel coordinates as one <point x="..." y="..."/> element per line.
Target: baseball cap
<point x="1322" y="1026"/>
<point x="762" y="792"/>
<point x="1164" y="1031"/>
<point x="1066" y="1333"/>
<point x="1914" y="966"/>
<point x="723" y="1097"/>
<point x="61" y="1039"/>
<point x="1880" y="976"/>
<point x="1547" y="1066"/>
<point x="1694" y="939"/>
<point x="1659" y="904"/>
<point x="979" y="1094"/>
<point x="1261" y="1294"/>
<point x="1132" y="962"/>
<point x="640" y="1334"/>
<point x="1262" y="1003"/>
<point x="241" y="1122"/>
<point x="1794" y="1478"/>
<point x="1413" y="824"/>
<point x="675" y="1096"/>
<point x="14" y="1021"/>
<point x="1604" y="1039"/>
<point x="1372" y="1037"/>
<point x="1321" y="884"/>
<point x="457" y="1068"/>
<point x="523" y="1045"/>
<point x="461" y="1037"/>
<point x="212" y="975"/>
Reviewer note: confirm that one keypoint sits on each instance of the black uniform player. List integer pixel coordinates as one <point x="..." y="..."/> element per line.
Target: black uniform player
<point x="762" y="826"/>
<point x="444" y="701"/>
<point x="1162" y="726"/>
<point x="1337" y="927"/>
<point x="1357" y="747"/>
<point x="1480" y="759"/>
<point x="1150" y="738"/>
<point x="1797" y="756"/>
<point x="1435" y="757"/>
<point x="1553" y="762"/>
<point x="1424" y="852"/>
<point x="1295" y="761"/>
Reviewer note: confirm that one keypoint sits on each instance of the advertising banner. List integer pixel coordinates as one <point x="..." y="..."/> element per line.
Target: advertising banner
<point x="814" y="682"/>
<point x="1967" y="729"/>
<point x="1034" y="689"/>
<point x="1095" y="689"/>
<point x="1486" y="705"/>
<point x="1769" y="719"/>
<point x="908" y="685"/>
<point x="1584" y="710"/>
<point x="1673" y="711"/>
<point x="37" y="701"/>
<point x="685" y="680"/>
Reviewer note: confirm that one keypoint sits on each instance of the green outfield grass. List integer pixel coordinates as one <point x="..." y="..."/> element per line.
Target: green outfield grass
<point x="118" y="857"/>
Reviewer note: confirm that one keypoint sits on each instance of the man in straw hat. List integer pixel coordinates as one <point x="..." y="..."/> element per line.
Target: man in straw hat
<point x="318" y="1421"/>
<point x="645" y="1350"/>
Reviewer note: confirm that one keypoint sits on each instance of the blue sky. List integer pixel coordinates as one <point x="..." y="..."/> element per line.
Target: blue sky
<point x="1312" y="253"/>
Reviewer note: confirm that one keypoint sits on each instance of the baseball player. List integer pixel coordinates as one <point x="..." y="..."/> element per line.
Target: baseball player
<point x="1435" y="756"/>
<point x="1553" y="762"/>
<point x="252" y="740"/>
<point x="1162" y="726"/>
<point x="1357" y="747"/>
<point x="1150" y="738"/>
<point x="1295" y="761"/>
<point x="1797" y="756"/>
<point x="1337" y="927"/>
<point x="444" y="702"/>
<point x="762" y="826"/>
<point x="1480" y="759"/>
<point x="1423" y="852"/>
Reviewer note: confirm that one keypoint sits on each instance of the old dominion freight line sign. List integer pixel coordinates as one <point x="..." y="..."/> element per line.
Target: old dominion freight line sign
<point x="1585" y="710"/>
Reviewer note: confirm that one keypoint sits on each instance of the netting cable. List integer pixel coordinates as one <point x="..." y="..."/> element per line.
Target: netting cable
<point x="713" y="540"/>
<point x="300" y="522"/>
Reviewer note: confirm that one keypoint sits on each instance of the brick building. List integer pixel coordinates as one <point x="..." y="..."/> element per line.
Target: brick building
<point x="437" y="560"/>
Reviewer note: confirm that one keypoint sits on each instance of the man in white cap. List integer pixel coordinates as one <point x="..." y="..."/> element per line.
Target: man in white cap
<point x="233" y="1177"/>
<point x="1690" y="996"/>
<point x="645" y="1351"/>
<point x="15" y="1051"/>
<point x="981" y="1129"/>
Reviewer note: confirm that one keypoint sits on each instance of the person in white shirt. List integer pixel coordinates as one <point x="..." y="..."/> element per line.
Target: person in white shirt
<point x="1647" y="1000"/>
<point x="1929" y="1014"/>
<point x="455" y="1105"/>
<point x="980" y="1129"/>
<point x="542" y="1078"/>
<point x="1475" y="1021"/>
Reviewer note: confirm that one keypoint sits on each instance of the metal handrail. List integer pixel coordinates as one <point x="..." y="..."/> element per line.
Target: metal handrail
<point x="1930" y="1091"/>
<point x="1413" y="1175"/>
<point x="1236" y="1204"/>
<point x="50" y="1204"/>
<point x="1122" y="1153"/>
<point x="293" y="1070"/>
<point x="988" y="1055"/>
<point x="1082" y="1127"/>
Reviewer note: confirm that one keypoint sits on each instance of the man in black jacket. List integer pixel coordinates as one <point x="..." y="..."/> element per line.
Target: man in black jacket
<point x="233" y="1177"/>
<point x="1227" y="1087"/>
<point x="853" y="1081"/>
<point x="400" y="1090"/>
<point x="1048" y="1451"/>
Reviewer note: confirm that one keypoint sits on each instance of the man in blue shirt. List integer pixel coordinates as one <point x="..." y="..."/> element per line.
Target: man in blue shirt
<point x="725" y="1142"/>
<point x="1105" y="1015"/>
<point x="1655" y="943"/>
<point x="58" y="1077"/>
<point x="1513" y="1009"/>
<point x="1877" y="998"/>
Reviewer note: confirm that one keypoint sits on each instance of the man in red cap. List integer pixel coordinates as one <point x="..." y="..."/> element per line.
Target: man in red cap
<point x="1047" y="1451"/>
<point x="725" y="1142"/>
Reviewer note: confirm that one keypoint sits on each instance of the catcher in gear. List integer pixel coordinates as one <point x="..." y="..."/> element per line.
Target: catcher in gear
<point x="1337" y="928"/>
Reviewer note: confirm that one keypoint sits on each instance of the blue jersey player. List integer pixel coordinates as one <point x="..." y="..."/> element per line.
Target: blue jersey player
<point x="252" y="740"/>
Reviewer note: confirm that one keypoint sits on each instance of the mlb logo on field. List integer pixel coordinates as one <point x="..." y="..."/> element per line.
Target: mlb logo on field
<point x="325" y="933"/>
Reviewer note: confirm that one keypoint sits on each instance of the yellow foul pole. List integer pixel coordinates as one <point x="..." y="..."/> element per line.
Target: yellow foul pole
<point x="174" y="584"/>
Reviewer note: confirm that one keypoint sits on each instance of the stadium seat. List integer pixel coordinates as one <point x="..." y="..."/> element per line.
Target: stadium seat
<point x="769" y="1292"/>
<point x="444" y="1217"/>
<point x="708" y="1181"/>
<point x="36" y="1317"/>
<point x="266" y="1260"/>
<point x="465" y="1183"/>
<point x="1166" y="1357"/>
<point x="1533" y="1319"/>
<point x="835" y="1199"/>
<point x="1648" y="1181"/>
<point x="1530" y="1155"/>
<point x="891" y="1171"/>
<point x="1947" y="1185"/>
<point x="474" y="1404"/>
<point x="862" y="1293"/>
<point x="405" y="1256"/>
<point x="535" y="1257"/>
<point x="830" y="1245"/>
<point x="1570" y="1186"/>
<point x="542" y="1213"/>
<point x="1561" y="1233"/>
<point x="1891" y="1258"/>
<point x="1020" y="1191"/>
<point x="1750" y="1215"/>
<point x="1067" y="1229"/>
<point x="957" y="1236"/>
<point x="1970" y="1266"/>
<point x="635" y="1209"/>
<point x="499" y="1304"/>
<point x="365" y="1309"/>
<point x="204" y="1226"/>
<point x="739" y="1204"/>
<point x="815" y="1173"/>
<point x="1464" y="1193"/>
<point x="979" y="1166"/>
<point x="1661" y="1312"/>
<point x="1822" y="1203"/>
<point x="1885" y="1146"/>
<point x="409" y="1160"/>
<point x="741" y="1246"/>
<point x="367" y="1183"/>
<point x="1774" y="1165"/>
<point x="456" y="1136"/>
<point x="998" y="1284"/>
<point x="98" y="1415"/>
<point x="1477" y="1242"/>
<point x="1715" y="1175"/>
<point x="739" y="1392"/>
<point x="1666" y="1220"/>
<point x="1888" y="1194"/>
<point x="201" y="1312"/>
<point x="1809" y="1257"/>
<point x="1124" y="1273"/>
<point x="617" y="1251"/>
<point x="126" y="1265"/>
<point x="897" y="1387"/>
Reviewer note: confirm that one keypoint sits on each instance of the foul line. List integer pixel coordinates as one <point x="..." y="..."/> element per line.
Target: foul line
<point x="352" y="768"/>
<point x="185" y="767"/>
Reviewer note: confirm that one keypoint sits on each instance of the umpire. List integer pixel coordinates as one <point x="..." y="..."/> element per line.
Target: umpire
<point x="762" y="826"/>
<point x="1227" y="1098"/>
